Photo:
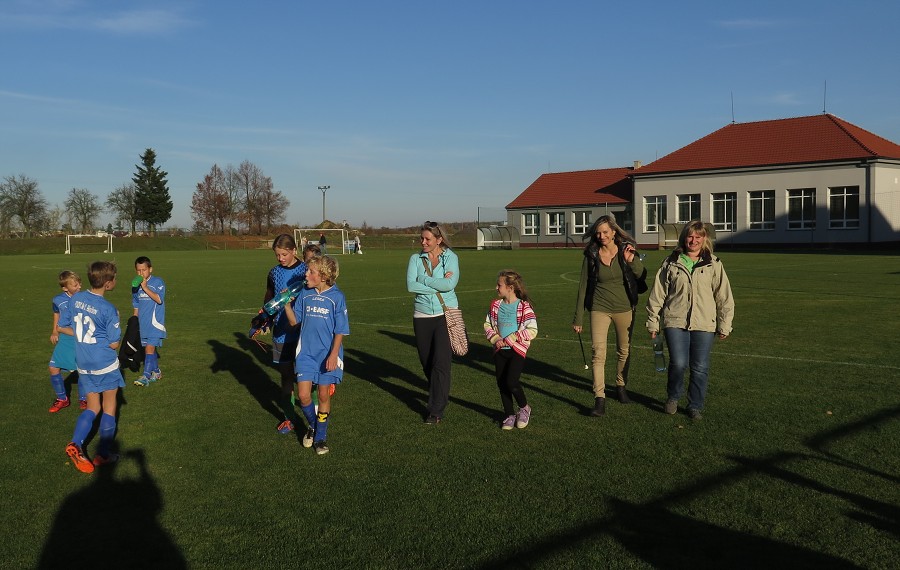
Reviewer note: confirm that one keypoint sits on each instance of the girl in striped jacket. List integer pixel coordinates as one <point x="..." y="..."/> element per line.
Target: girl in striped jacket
<point x="510" y="325"/>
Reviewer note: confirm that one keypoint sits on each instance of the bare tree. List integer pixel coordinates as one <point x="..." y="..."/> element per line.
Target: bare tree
<point x="20" y="198"/>
<point x="210" y="205"/>
<point x="122" y="204"/>
<point x="83" y="208"/>
<point x="272" y="206"/>
<point x="248" y="178"/>
<point x="233" y="192"/>
<point x="54" y="219"/>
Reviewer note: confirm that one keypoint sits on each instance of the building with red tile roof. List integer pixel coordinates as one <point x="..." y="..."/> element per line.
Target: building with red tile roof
<point x="799" y="181"/>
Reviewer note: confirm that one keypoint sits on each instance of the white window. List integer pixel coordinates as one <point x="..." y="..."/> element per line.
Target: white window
<point x="762" y="209"/>
<point x="724" y="208"/>
<point x="531" y="225"/>
<point x="654" y="213"/>
<point x="688" y="208"/>
<point x="581" y="223"/>
<point x="843" y="207"/>
<point x="802" y="209"/>
<point x="556" y="221"/>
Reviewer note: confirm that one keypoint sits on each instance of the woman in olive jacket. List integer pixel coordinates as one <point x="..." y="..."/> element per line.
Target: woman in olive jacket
<point x="691" y="296"/>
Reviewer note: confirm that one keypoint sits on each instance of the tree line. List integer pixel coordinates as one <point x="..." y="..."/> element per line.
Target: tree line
<point x="225" y="198"/>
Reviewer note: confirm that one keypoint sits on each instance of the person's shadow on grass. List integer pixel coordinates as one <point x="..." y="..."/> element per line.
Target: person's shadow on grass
<point x="242" y="363"/>
<point x="112" y="523"/>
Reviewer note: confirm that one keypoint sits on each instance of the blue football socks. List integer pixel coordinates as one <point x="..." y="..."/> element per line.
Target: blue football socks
<point x="56" y="380"/>
<point x="322" y="426"/>
<point x="107" y="433"/>
<point x="83" y="426"/>
<point x="309" y="412"/>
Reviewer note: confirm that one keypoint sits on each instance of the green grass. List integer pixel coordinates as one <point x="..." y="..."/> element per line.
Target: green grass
<point x="796" y="462"/>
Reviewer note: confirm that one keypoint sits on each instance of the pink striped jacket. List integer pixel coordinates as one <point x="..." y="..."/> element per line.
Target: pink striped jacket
<point x="527" y="326"/>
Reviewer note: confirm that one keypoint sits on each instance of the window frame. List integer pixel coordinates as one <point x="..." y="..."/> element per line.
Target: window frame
<point x="807" y="209"/>
<point x="581" y="228"/>
<point x="730" y="214"/>
<point x="531" y="224"/>
<point x="843" y="222"/>
<point x="692" y="202"/>
<point x="764" y="200"/>
<point x="556" y="223"/>
<point x="656" y="205"/>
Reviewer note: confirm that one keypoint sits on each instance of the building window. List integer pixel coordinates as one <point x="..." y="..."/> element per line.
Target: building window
<point x="724" y="208"/>
<point x="802" y="209"/>
<point x="530" y="225"/>
<point x="581" y="223"/>
<point x="688" y="208"/>
<point x="556" y="221"/>
<point x="843" y="207"/>
<point x="762" y="209"/>
<point x="654" y="213"/>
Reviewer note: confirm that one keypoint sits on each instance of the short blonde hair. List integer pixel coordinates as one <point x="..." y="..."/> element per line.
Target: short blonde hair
<point x="67" y="276"/>
<point x="327" y="268"/>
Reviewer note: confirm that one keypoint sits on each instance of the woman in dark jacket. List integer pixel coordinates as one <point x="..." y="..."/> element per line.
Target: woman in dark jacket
<point x="611" y="276"/>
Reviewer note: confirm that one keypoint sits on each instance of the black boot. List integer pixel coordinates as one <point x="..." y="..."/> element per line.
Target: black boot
<point x="599" y="407"/>
<point x="623" y="395"/>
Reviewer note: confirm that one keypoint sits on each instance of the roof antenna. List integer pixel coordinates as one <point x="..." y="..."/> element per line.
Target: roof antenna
<point x="732" y="107"/>
<point x="824" y="97"/>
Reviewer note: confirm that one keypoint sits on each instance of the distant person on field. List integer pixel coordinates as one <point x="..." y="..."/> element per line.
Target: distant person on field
<point x="510" y="325"/>
<point x="432" y="272"/>
<point x="692" y="296"/>
<point x="323" y="243"/>
<point x="290" y="271"/>
<point x="148" y="297"/>
<point x="63" y="357"/>
<point x="321" y="313"/>
<point x="608" y="291"/>
<point x="358" y="244"/>
<point x="94" y="322"/>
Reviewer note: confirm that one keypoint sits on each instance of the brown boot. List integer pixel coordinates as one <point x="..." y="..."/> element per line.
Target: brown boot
<point x="599" y="407"/>
<point x="623" y="395"/>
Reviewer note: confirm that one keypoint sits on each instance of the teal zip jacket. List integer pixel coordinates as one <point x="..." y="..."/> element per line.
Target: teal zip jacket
<point x="426" y="288"/>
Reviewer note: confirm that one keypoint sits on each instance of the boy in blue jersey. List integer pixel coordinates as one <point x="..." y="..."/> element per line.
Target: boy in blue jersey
<point x="321" y="311"/>
<point x="94" y="322"/>
<point x="63" y="357"/>
<point x="149" y="301"/>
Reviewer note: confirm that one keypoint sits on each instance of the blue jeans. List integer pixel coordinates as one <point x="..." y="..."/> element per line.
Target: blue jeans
<point x="689" y="349"/>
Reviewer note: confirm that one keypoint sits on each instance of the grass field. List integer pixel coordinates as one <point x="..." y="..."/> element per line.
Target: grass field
<point x="795" y="464"/>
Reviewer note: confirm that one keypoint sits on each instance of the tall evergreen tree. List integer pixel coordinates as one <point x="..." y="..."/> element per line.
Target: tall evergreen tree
<point x="152" y="198"/>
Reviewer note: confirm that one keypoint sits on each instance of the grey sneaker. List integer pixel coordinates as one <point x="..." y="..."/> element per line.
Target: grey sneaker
<point x="321" y="448"/>
<point x="694" y="414"/>
<point x="308" y="437"/>
<point x="523" y="416"/>
<point x="671" y="407"/>
<point x="508" y="423"/>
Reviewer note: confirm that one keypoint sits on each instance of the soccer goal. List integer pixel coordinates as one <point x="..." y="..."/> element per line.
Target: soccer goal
<point x="88" y="243"/>
<point x="336" y="239"/>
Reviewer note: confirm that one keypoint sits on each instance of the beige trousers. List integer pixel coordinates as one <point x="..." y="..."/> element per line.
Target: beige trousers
<point x="624" y="323"/>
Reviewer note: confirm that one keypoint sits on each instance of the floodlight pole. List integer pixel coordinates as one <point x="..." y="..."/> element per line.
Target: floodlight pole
<point x="323" y="189"/>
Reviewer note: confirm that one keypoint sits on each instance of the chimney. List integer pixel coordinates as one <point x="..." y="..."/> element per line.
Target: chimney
<point x="637" y="164"/>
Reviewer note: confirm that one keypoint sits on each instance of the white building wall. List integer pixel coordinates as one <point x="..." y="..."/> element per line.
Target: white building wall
<point x="886" y="202"/>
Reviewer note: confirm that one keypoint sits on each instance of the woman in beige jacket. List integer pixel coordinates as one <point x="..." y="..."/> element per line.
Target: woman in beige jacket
<point x="691" y="303"/>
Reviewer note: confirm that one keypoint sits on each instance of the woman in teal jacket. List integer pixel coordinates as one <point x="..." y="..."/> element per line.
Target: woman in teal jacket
<point x="433" y="271"/>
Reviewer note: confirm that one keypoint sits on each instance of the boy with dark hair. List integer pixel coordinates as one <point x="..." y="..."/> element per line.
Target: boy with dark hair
<point x="63" y="357"/>
<point x="94" y="322"/>
<point x="148" y="297"/>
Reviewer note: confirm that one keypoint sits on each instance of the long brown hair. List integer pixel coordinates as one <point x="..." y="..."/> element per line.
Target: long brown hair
<point x="514" y="280"/>
<point x="621" y="236"/>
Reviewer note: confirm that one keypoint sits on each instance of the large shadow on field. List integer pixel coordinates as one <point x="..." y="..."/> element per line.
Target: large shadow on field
<point x="243" y="364"/>
<point x="113" y="522"/>
<point x="375" y="369"/>
<point x="659" y="533"/>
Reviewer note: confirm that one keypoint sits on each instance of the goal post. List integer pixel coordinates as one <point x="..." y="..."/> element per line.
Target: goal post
<point x="336" y="239"/>
<point x="88" y="243"/>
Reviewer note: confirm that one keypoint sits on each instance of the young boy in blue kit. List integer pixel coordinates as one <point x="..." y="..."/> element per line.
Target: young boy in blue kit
<point x="94" y="322"/>
<point x="149" y="301"/>
<point x="321" y="311"/>
<point x="63" y="357"/>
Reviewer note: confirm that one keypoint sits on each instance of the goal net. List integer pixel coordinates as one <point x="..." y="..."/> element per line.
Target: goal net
<point x="89" y="243"/>
<point x="336" y="239"/>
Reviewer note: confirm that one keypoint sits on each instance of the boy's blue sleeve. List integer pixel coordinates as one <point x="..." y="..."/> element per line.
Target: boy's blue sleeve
<point x="341" y="320"/>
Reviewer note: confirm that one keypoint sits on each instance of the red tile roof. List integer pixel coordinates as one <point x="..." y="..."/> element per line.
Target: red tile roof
<point x="800" y="140"/>
<point x="582" y="188"/>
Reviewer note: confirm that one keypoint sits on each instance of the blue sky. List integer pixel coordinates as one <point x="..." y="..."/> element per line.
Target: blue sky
<point x="414" y="110"/>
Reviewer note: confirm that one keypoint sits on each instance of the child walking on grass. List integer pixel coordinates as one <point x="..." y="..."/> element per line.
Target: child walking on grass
<point x="321" y="312"/>
<point x="63" y="357"/>
<point x="94" y="322"/>
<point x="149" y="302"/>
<point x="510" y="325"/>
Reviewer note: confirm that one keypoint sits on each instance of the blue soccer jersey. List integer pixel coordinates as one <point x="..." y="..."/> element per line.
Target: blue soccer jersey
<point x="281" y="278"/>
<point x="61" y="302"/>
<point x="151" y="315"/>
<point x="321" y="316"/>
<point x="95" y="322"/>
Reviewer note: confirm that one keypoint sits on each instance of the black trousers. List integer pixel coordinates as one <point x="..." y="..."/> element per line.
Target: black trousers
<point x="433" y="344"/>
<point x="508" y="365"/>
